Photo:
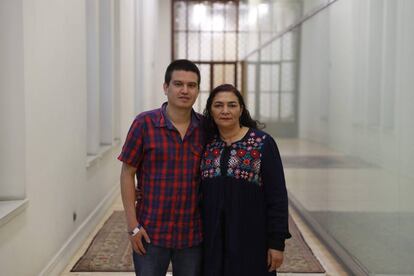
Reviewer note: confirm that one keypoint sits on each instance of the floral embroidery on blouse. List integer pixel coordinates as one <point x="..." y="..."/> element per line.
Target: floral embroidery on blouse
<point x="244" y="161"/>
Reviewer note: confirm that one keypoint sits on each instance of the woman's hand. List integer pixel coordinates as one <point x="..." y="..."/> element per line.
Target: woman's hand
<point x="274" y="259"/>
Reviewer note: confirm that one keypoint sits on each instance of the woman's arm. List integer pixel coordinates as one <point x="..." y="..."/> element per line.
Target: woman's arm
<point x="275" y="195"/>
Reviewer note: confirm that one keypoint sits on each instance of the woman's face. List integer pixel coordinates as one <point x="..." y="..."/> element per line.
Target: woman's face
<point x="226" y="110"/>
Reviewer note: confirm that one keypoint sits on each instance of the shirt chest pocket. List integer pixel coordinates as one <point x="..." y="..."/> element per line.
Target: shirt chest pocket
<point x="196" y="151"/>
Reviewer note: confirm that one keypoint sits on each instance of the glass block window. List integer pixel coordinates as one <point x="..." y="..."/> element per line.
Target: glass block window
<point x="207" y="33"/>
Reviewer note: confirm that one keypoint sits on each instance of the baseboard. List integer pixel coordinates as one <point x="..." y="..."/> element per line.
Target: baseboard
<point x="58" y="263"/>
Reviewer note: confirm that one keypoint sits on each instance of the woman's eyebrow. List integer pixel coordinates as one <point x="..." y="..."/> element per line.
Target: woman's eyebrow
<point x="225" y="102"/>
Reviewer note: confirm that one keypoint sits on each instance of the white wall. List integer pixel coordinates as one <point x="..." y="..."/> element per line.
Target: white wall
<point x="356" y="96"/>
<point x="44" y="77"/>
<point x="315" y="84"/>
<point x="310" y="5"/>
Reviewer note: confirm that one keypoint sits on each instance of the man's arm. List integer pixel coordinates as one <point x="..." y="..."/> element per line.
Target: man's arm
<point x="128" y="200"/>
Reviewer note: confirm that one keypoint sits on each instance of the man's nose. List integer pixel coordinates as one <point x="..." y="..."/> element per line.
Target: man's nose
<point x="185" y="88"/>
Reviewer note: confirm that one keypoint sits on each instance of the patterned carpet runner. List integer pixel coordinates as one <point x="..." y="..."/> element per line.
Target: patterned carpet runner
<point x="110" y="251"/>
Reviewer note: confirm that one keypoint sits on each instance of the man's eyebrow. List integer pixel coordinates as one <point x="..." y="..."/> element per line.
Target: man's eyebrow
<point x="190" y="82"/>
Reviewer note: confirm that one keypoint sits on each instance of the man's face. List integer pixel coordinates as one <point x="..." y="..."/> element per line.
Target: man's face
<point x="182" y="91"/>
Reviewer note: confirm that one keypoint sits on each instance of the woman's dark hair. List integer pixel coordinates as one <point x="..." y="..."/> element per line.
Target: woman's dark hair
<point x="246" y="120"/>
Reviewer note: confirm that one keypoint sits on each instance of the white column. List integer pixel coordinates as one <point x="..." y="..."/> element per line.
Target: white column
<point x="117" y="71"/>
<point x="93" y="105"/>
<point x="106" y="71"/>
<point x="12" y="102"/>
<point x="139" y="66"/>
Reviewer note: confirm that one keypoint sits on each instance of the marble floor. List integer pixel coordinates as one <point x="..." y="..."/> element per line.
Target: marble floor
<point x="363" y="202"/>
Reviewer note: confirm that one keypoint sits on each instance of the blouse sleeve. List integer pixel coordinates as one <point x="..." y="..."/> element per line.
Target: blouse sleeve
<point x="275" y="195"/>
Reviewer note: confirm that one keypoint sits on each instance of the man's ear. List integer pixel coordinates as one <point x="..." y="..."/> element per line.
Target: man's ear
<point x="165" y="87"/>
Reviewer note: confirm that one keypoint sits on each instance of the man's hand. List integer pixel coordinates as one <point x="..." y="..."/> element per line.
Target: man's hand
<point x="136" y="241"/>
<point x="274" y="259"/>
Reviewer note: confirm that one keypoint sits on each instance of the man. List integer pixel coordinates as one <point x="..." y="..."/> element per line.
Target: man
<point x="162" y="149"/>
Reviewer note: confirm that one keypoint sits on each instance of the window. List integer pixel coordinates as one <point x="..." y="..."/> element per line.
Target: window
<point x="207" y="33"/>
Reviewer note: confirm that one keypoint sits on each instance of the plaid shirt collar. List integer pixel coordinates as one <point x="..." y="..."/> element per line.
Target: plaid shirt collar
<point x="162" y="120"/>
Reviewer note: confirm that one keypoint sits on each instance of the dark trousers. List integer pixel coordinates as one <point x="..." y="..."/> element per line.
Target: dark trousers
<point x="185" y="262"/>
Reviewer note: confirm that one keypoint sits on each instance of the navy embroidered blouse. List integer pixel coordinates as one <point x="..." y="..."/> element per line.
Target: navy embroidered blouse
<point x="245" y="204"/>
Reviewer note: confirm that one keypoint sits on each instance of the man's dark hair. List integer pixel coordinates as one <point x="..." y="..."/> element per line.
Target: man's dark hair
<point x="181" y="65"/>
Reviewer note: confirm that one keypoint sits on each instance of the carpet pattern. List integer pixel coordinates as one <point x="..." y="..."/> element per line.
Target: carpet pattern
<point x="110" y="251"/>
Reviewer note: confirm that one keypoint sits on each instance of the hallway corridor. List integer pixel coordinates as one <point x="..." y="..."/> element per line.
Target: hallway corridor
<point x="332" y="80"/>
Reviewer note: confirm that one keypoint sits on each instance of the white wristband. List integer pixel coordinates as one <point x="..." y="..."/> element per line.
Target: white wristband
<point x="134" y="231"/>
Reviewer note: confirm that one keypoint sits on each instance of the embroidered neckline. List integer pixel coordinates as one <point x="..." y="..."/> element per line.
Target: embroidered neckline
<point x="219" y="139"/>
<point x="244" y="160"/>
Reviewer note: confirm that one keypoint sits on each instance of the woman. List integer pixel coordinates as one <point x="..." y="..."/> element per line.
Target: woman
<point x="245" y="205"/>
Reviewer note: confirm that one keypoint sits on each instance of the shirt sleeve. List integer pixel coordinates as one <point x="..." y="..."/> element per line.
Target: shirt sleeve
<point x="275" y="195"/>
<point x="132" y="151"/>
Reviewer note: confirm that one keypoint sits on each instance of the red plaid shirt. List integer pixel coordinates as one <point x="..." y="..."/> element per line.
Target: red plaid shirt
<point x="168" y="177"/>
